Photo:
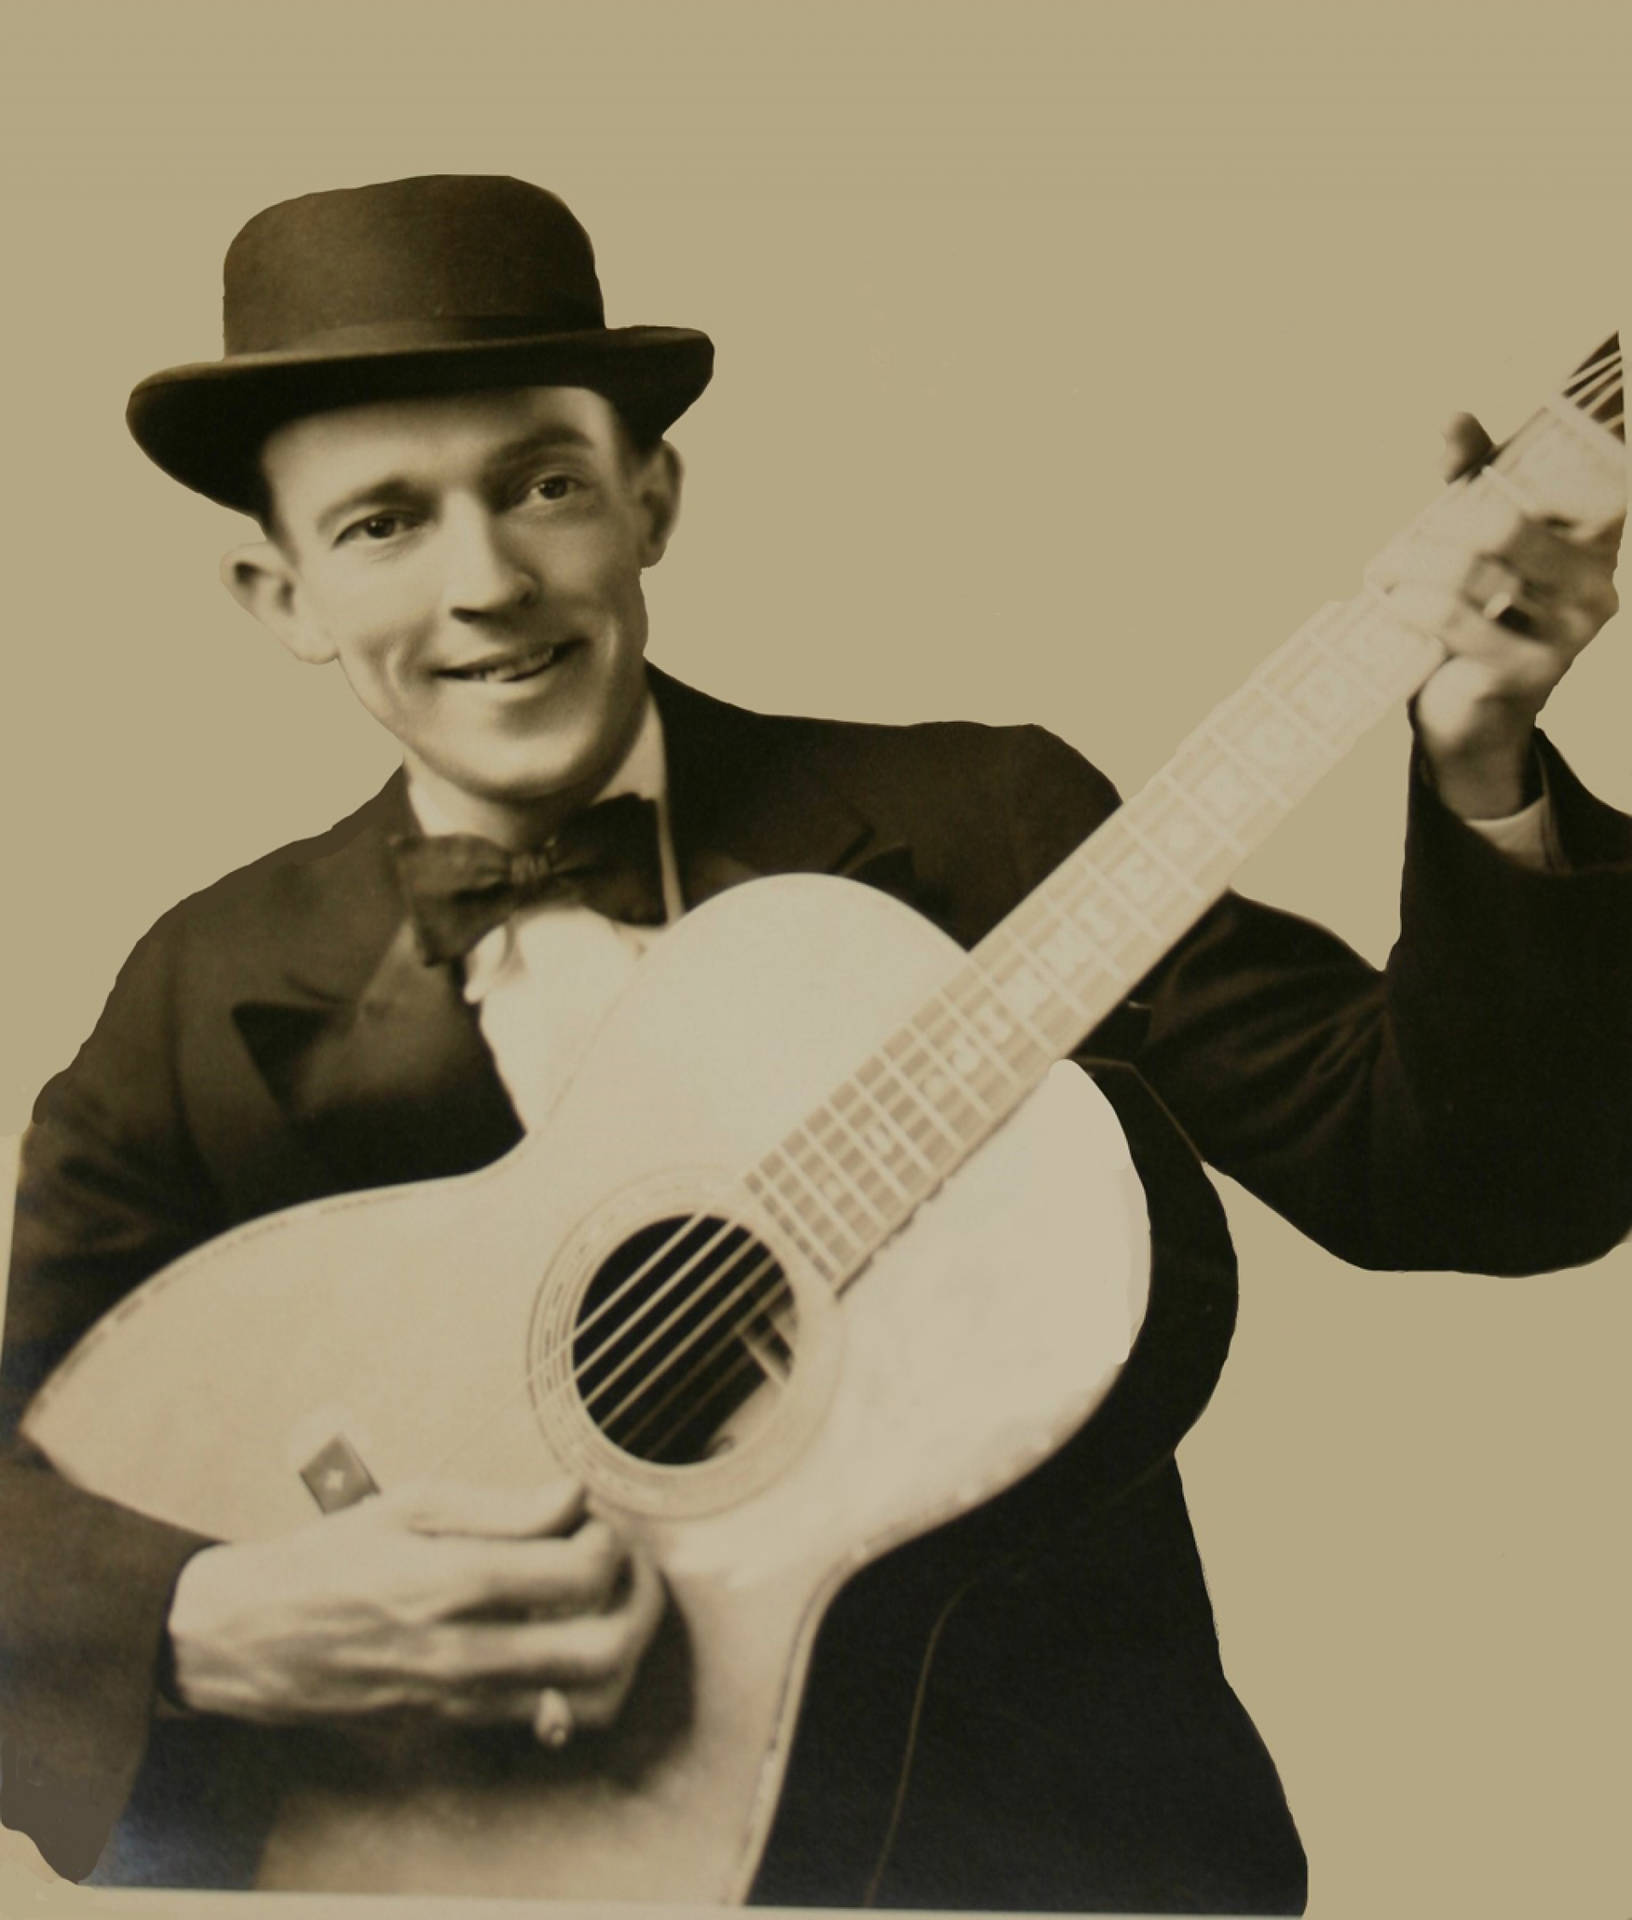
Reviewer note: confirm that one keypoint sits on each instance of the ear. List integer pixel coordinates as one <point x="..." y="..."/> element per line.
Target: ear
<point x="657" y="490"/>
<point x="261" y="579"/>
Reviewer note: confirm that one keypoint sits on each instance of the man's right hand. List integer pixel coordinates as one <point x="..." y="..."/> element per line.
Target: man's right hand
<point x="462" y="1603"/>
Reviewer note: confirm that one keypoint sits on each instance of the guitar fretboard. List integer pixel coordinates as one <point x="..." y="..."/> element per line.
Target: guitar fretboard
<point x="854" y="1169"/>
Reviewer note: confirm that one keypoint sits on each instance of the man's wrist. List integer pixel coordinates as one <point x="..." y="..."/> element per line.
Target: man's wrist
<point x="1489" y="782"/>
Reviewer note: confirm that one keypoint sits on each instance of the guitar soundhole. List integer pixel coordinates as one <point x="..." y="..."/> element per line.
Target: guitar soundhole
<point x="677" y="1332"/>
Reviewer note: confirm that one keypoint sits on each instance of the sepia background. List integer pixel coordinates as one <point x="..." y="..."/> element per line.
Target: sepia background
<point x="1069" y="355"/>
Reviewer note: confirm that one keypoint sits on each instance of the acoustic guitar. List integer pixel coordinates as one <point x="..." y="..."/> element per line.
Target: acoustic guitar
<point x="771" y="1311"/>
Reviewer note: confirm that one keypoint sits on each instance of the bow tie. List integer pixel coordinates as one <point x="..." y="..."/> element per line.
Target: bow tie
<point x="459" y="887"/>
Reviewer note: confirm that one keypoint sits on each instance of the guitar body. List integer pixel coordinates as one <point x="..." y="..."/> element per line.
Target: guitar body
<point x="495" y="1327"/>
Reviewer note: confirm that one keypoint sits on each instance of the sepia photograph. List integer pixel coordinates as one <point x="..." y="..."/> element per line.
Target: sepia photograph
<point x="818" y="1043"/>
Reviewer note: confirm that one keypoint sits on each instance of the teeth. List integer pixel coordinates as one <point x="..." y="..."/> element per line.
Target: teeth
<point x="521" y="669"/>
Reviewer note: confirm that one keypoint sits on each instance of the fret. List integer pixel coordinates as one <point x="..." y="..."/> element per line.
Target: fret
<point x="885" y="1196"/>
<point x="852" y="1168"/>
<point x="1014" y="995"/>
<point x="1251" y="766"/>
<point x="1398" y="658"/>
<point x="1072" y="957"/>
<point x="879" y="1166"/>
<point x="988" y="1079"/>
<point x="1025" y="991"/>
<point x="1286" y="751"/>
<point x="807" y="1198"/>
<point x="1137" y="872"/>
<point x="1104" y="917"/>
<point x="1060" y="1010"/>
<point x="964" y="981"/>
<point x="912" y="1064"/>
<point x="898" y="1108"/>
<point x="761" y="1185"/>
<point x="837" y="1179"/>
<point x="1325" y="698"/>
<point x="882" y="1136"/>
<point x="1359" y="642"/>
<point x="1055" y="952"/>
<point x="961" y="1061"/>
<point x="1181" y="833"/>
<point x="930" y="1075"/>
<point x="1238" y="808"/>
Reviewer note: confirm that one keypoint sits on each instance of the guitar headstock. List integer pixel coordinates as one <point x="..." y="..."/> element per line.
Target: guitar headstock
<point x="1595" y="388"/>
<point x="1568" y="461"/>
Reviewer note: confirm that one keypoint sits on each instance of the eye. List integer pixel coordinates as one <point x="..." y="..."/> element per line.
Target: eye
<point x="374" y="527"/>
<point x="553" y="486"/>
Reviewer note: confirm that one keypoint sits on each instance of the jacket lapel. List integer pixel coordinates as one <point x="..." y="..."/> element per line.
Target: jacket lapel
<point x="742" y="806"/>
<point x="376" y="1059"/>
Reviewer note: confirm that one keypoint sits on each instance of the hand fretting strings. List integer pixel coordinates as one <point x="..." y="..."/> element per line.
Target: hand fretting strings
<point x="854" y="1170"/>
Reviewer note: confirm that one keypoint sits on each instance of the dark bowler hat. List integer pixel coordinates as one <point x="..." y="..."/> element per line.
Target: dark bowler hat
<point x="441" y="284"/>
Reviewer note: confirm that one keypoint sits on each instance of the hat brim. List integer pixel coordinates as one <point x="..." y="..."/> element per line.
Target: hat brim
<point x="206" y="424"/>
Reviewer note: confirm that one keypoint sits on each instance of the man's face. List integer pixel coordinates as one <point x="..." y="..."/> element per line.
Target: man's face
<point x="473" y="562"/>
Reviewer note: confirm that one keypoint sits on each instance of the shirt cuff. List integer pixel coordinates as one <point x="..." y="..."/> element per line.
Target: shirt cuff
<point x="1526" y="837"/>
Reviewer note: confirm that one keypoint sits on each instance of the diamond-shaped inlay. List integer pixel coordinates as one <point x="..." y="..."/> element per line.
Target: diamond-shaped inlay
<point x="336" y="1477"/>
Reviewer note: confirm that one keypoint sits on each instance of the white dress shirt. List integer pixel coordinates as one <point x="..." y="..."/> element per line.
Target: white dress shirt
<point x="543" y="981"/>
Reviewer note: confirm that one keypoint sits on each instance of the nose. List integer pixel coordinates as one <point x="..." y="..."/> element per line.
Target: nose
<point x="485" y="577"/>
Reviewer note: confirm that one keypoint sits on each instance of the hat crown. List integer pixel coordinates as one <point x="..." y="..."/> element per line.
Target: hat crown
<point x="435" y="248"/>
<point x="441" y="284"/>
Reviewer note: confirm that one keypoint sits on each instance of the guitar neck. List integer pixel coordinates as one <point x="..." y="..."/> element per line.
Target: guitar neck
<point x="852" y="1172"/>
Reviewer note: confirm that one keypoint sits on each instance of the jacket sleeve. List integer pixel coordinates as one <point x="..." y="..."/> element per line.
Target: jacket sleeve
<point x="1468" y="1107"/>
<point x="109" y="1190"/>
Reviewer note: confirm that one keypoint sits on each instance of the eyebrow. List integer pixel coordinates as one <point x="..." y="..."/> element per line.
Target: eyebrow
<point x="517" y="453"/>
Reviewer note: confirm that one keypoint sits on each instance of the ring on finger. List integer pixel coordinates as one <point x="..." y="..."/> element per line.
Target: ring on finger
<point x="552" y="1718"/>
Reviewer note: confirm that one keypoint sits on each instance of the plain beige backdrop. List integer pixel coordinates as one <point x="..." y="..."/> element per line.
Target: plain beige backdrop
<point x="1068" y="356"/>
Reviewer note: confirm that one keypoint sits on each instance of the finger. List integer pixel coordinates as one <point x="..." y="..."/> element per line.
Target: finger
<point x="1546" y="557"/>
<point x="1513" y="666"/>
<point x="1562" y="616"/>
<point x="590" y="1649"/>
<point x="459" y="1507"/>
<point x="1467" y="446"/>
<point x="1544" y="585"/>
<point x="588" y="1709"/>
<point x="545" y="1579"/>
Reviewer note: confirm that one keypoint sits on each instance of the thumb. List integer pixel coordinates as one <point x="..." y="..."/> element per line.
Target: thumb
<point x="1467" y="446"/>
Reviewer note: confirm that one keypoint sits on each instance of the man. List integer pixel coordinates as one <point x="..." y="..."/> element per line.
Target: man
<point x="461" y="476"/>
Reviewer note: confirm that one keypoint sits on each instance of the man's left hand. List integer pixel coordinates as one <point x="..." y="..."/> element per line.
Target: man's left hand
<point x="1513" y="600"/>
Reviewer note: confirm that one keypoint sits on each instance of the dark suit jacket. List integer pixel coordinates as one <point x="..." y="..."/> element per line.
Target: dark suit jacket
<point x="1044" y="1674"/>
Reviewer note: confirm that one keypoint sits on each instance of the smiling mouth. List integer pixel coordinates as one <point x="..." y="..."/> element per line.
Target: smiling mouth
<point x="511" y="666"/>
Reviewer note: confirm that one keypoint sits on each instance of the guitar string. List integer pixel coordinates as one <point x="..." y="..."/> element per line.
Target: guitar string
<point x="720" y="1350"/>
<point x="713" y="1277"/>
<point x="746" y="1358"/>
<point x="784" y="1292"/>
